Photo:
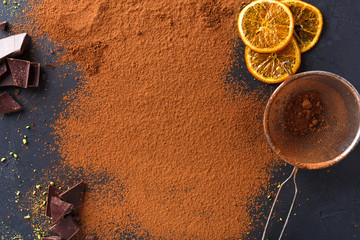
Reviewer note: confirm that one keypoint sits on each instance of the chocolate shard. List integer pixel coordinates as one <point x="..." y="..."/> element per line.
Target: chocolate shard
<point x="74" y="195"/>
<point x="51" y="238"/>
<point x="90" y="237"/>
<point x="52" y="192"/>
<point x="59" y="209"/>
<point x="14" y="45"/>
<point x="19" y="70"/>
<point x="8" y="104"/>
<point x="3" y="69"/>
<point x="3" y="25"/>
<point x="34" y="76"/>
<point x="7" y="80"/>
<point x="66" y="228"/>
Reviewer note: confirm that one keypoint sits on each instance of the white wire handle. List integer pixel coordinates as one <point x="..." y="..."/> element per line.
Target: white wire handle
<point x="293" y="174"/>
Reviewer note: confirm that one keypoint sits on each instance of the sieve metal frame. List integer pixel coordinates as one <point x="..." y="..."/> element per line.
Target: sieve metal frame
<point x="297" y="77"/>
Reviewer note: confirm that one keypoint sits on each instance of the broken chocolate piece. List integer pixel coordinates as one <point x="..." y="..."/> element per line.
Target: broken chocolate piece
<point x="90" y="237"/>
<point x="19" y="70"/>
<point x="51" y="238"/>
<point x="66" y="228"/>
<point x="74" y="195"/>
<point x="8" y="104"/>
<point x="3" y="69"/>
<point x="13" y="45"/>
<point x="3" y="25"/>
<point x="59" y="209"/>
<point x="7" y="80"/>
<point x="52" y="192"/>
<point x="34" y="75"/>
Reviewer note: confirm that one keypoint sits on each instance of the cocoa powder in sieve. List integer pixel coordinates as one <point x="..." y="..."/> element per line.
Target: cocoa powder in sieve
<point x="303" y="113"/>
<point x="183" y="160"/>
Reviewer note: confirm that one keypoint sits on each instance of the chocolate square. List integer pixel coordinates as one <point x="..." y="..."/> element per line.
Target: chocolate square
<point x="8" y="104"/>
<point x="19" y="70"/>
<point x="59" y="209"/>
<point x="3" y="69"/>
<point x="34" y="75"/>
<point x="13" y="45"/>
<point x="74" y="195"/>
<point x="66" y="228"/>
<point x="52" y="192"/>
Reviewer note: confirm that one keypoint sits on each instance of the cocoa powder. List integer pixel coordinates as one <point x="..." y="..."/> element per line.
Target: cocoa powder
<point x="182" y="159"/>
<point x="304" y="113"/>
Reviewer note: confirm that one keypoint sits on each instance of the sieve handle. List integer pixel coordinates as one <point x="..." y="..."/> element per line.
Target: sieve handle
<point x="292" y="175"/>
<point x="287" y="67"/>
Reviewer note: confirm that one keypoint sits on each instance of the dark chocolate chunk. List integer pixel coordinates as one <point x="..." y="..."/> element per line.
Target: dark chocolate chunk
<point x="3" y="25"/>
<point x="14" y="45"/>
<point x="3" y="69"/>
<point x="52" y="192"/>
<point x="90" y="237"/>
<point x="51" y="238"/>
<point x="7" y="80"/>
<point x="59" y="209"/>
<point x="19" y="70"/>
<point x="34" y="75"/>
<point x="8" y="104"/>
<point x="74" y="195"/>
<point x="66" y="228"/>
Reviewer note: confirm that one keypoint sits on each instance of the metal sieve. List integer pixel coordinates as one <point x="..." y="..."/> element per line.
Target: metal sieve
<point x="319" y="149"/>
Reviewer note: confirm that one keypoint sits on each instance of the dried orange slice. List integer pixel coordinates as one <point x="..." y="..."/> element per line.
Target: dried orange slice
<point x="266" y="26"/>
<point x="267" y="67"/>
<point x="308" y="23"/>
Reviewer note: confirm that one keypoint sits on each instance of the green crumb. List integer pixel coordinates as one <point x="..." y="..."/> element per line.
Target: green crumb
<point x="15" y="155"/>
<point x="27" y="127"/>
<point x="278" y="186"/>
<point x="27" y="217"/>
<point x="38" y="186"/>
<point x="11" y="153"/>
<point x="52" y="183"/>
<point x="2" y="159"/>
<point x="294" y="214"/>
<point x="24" y="141"/>
<point x="34" y="170"/>
<point x="16" y="201"/>
<point x="34" y="192"/>
<point x="5" y="2"/>
<point x="25" y="136"/>
<point x="17" y="193"/>
<point x="280" y="219"/>
<point x="60" y="188"/>
<point x="269" y="196"/>
<point x="43" y="203"/>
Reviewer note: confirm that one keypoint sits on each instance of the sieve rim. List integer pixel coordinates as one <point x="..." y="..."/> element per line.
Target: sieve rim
<point x="298" y="76"/>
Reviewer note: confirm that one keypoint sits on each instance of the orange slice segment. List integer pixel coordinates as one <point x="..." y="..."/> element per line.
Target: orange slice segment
<point x="266" y="26"/>
<point x="308" y="22"/>
<point x="267" y="67"/>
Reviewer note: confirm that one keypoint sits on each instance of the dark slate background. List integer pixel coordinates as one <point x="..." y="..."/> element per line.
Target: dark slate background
<point x="328" y="204"/>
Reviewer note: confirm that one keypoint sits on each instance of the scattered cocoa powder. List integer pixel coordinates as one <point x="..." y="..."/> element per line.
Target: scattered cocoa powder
<point x="183" y="159"/>
<point x="304" y="113"/>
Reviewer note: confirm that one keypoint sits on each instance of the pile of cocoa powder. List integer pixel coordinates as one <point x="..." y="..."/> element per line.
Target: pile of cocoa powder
<point x="183" y="159"/>
<point x="304" y="113"/>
